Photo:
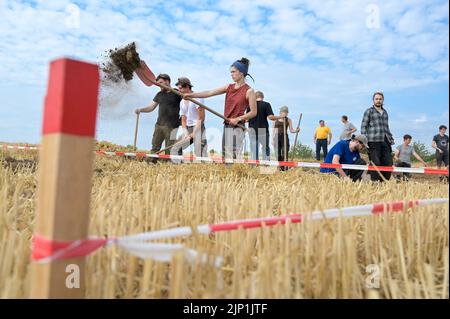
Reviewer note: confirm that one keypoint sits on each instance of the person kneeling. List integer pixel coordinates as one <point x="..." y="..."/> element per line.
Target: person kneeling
<point x="347" y="152"/>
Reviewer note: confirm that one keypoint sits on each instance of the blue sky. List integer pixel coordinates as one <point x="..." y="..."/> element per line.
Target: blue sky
<point x="321" y="58"/>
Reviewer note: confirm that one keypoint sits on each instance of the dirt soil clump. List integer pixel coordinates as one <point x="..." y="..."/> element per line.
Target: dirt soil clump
<point x="121" y="63"/>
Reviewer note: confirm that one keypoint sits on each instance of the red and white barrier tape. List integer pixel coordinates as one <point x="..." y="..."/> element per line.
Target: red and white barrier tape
<point x="141" y="245"/>
<point x="45" y="250"/>
<point x="413" y="170"/>
<point x="19" y="147"/>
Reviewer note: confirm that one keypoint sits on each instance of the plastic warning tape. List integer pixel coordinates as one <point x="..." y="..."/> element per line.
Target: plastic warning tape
<point x="141" y="245"/>
<point x="191" y="159"/>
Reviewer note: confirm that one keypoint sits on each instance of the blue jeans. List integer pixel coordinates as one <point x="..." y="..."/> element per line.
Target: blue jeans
<point x="261" y="137"/>
<point x="321" y="144"/>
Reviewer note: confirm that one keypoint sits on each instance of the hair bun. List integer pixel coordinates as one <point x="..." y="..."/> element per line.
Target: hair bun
<point x="245" y="61"/>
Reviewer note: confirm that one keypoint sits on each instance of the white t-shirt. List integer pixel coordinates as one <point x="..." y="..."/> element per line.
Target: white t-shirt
<point x="346" y="133"/>
<point x="190" y="110"/>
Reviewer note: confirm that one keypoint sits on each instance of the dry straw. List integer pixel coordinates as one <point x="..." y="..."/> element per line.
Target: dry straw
<point x="314" y="259"/>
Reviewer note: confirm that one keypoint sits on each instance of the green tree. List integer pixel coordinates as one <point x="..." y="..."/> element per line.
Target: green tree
<point x="422" y="151"/>
<point x="301" y="151"/>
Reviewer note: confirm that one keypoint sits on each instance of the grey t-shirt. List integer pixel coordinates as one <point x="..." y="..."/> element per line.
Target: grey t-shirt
<point x="346" y="133"/>
<point x="405" y="153"/>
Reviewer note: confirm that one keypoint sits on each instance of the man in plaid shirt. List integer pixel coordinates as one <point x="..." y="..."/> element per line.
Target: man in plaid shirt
<point x="375" y="125"/>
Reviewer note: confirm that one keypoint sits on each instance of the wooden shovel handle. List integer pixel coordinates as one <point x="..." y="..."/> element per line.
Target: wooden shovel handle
<point x="168" y="88"/>
<point x="136" y="131"/>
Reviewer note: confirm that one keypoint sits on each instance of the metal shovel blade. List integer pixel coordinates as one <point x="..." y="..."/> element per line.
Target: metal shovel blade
<point x="145" y="74"/>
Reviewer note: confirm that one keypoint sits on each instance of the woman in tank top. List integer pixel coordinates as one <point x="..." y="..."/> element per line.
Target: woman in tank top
<point x="238" y="97"/>
<point x="278" y="134"/>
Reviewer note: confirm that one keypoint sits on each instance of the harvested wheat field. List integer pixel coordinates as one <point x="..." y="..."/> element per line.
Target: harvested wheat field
<point x="312" y="259"/>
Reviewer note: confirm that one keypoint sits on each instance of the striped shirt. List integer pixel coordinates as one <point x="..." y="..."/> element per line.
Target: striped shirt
<point x="375" y="125"/>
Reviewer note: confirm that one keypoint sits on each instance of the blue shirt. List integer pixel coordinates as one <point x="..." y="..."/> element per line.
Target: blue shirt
<point x="342" y="148"/>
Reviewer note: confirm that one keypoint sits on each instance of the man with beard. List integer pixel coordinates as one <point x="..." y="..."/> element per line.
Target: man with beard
<point x="375" y="126"/>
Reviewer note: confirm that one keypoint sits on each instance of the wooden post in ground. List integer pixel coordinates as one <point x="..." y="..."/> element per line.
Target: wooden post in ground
<point x="65" y="171"/>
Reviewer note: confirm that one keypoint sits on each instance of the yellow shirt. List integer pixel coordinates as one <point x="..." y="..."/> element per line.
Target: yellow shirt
<point x="322" y="132"/>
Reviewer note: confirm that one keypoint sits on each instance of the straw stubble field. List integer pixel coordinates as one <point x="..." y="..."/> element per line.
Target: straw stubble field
<point x="313" y="259"/>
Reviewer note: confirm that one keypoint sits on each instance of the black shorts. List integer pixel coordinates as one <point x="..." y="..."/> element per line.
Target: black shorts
<point x="441" y="158"/>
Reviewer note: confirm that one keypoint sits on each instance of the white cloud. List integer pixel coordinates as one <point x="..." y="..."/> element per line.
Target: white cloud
<point x="421" y="119"/>
<point x="307" y="54"/>
<point x="412" y="22"/>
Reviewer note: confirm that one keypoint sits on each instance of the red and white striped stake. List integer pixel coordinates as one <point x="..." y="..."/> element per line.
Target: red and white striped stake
<point x="65" y="171"/>
<point x="141" y="245"/>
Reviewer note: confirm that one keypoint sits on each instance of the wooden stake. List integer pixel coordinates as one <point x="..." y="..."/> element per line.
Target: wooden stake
<point x="65" y="171"/>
